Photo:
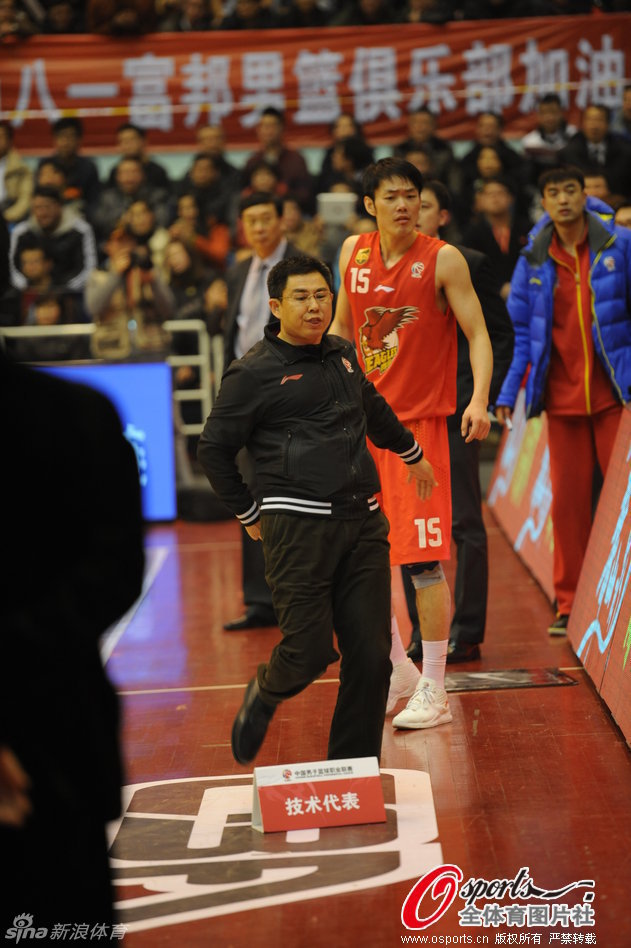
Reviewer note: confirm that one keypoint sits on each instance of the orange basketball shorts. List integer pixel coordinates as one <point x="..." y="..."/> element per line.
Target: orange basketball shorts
<point x="420" y="530"/>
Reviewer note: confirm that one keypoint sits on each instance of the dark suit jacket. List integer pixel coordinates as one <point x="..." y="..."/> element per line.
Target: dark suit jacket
<point x="498" y="323"/>
<point x="617" y="166"/>
<point x="235" y="278"/>
<point x="479" y="236"/>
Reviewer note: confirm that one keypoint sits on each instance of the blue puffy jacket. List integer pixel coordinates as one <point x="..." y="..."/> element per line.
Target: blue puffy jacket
<point x="531" y="304"/>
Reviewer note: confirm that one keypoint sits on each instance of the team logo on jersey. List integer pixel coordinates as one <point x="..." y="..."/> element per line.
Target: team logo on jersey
<point x="386" y="289"/>
<point x="362" y="256"/>
<point x="417" y="270"/>
<point x="378" y="336"/>
<point x="610" y="263"/>
<point x="347" y="365"/>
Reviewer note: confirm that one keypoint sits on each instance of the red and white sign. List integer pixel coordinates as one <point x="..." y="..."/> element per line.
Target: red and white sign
<point x="319" y="794"/>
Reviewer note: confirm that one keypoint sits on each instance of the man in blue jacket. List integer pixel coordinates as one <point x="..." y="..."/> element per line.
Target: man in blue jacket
<point x="570" y="303"/>
<point x="301" y="404"/>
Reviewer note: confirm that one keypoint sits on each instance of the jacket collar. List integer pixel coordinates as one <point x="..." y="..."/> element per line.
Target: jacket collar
<point x="290" y="354"/>
<point x="598" y="235"/>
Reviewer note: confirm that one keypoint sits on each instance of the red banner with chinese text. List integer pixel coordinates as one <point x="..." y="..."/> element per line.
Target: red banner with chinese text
<point x="171" y="84"/>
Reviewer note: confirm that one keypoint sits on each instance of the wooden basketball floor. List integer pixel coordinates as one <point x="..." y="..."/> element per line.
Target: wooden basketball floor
<point x="523" y="777"/>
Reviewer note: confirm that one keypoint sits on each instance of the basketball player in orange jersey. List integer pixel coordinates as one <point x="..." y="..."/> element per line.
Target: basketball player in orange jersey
<point x="401" y="294"/>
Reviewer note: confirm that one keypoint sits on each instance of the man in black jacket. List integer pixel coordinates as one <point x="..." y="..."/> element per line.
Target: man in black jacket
<point x="470" y="594"/>
<point x="303" y="407"/>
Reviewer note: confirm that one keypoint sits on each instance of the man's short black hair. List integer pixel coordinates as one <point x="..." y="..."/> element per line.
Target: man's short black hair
<point x="559" y="175"/>
<point x="440" y="192"/>
<point x="550" y="98"/>
<point x="601" y="108"/>
<point x="387" y="168"/>
<point x="64" y="123"/>
<point x="130" y="127"/>
<point x="503" y="180"/>
<point x="31" y="241"/>
<point x="48" y="191"/>
<point x="275" y="113"/>
<point x="260" y="197"/>
<point x="300" y="265"/>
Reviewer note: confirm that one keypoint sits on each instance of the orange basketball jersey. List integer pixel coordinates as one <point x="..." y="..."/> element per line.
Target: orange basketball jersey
<point x="406" y="345"/>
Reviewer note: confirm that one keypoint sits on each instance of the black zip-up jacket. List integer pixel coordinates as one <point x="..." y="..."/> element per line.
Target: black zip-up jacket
<point x="303" y="412"/>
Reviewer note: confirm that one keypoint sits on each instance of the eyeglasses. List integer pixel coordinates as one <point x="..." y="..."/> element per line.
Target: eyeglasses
<point x="320" y="296"/>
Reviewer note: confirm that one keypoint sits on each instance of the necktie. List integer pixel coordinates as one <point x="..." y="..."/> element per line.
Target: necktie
<point x="255" y="318"/>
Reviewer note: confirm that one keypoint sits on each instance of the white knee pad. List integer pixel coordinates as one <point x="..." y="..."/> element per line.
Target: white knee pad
<point x="429" y="577"/>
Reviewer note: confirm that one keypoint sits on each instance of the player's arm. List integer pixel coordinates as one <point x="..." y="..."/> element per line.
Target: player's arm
<point x="453" y="277"/>
<point x="342" y="324"/>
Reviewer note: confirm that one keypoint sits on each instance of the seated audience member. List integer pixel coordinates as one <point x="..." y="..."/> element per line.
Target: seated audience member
<point x="488" y="134"/>
<point x="543" y="144"/>
<point x="67" y="239"/>
<point x="490" y="163"/>
<point x="498" y="231"/>
<point x="364" y="13"/>
<point x="128" y="300"/>
<point x="621" y="121"/>
<point x="37" y="269"/>
<point x="349" y="159"/>
<point x="494" y="9"/>
<point x="187" y="16"/>
<point x="623" y="215"/>
<point x="121" y="17"/>
<point x="47" y="309"/>
<point x="201" y="233"/>
<point x="305" y="235"/>
<point x="150" y="240"/>
<point x="203" y="179"/>
<point x="14" y="23"/>
<point x="301" y="14"/>
<point x="50" y="174"/>
<point x="422" y="136"/>
<point x="211" y="141"/>
<point x="63" y="16"/>
<point x="344" y="126"/>
<point x="130" y="186"/>
<point x="427" y="11"/>
<point x="597" y="185"/>
<point x="188" y="280"/>
<point x="596" y="146"/>
<point x="290" y="165"/>
<point x="248" y="15"/>
<point x="132" y="143"/>
<point x="16" y="179"/>
<point x="81" y="172"/>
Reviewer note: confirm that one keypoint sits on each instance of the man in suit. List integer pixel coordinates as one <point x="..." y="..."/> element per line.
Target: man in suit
<point x="247" y="315"/>
<point x="470" y="593"/>
<point x="596" y="147"/>
<point x="72" y="524"/>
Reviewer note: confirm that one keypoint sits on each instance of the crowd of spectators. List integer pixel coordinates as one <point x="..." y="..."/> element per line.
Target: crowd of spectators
<point x="133" y="248"/>
<point x="20" y="18"/>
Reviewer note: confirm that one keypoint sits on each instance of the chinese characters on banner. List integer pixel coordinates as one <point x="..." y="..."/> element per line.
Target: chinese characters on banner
<point x="170" y="84"/>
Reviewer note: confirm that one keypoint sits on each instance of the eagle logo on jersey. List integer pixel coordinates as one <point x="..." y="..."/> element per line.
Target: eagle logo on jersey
<point x="378" y="336"/>
<point x="362" y="256"/>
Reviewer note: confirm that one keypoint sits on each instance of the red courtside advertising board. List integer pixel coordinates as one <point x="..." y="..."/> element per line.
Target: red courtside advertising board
<point x="520" y="495"/>
<point x="599" y="629"/>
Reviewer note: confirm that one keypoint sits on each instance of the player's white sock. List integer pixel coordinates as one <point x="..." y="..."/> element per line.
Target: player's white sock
<point x="434" y="661"/>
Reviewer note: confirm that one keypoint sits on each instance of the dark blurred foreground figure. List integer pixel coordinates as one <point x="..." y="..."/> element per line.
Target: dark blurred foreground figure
<point x="72" y="523"/>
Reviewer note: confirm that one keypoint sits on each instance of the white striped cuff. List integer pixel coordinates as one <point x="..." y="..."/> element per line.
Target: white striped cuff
<point x="250" y="516"/>
<point x="414" y="454"/>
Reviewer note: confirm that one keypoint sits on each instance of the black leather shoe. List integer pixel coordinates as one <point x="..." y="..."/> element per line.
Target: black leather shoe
<point x="250" y="725"/>
<point x="252" y="619"/>
<point x="461" y="652"/>
<point x="415" y="651"/>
